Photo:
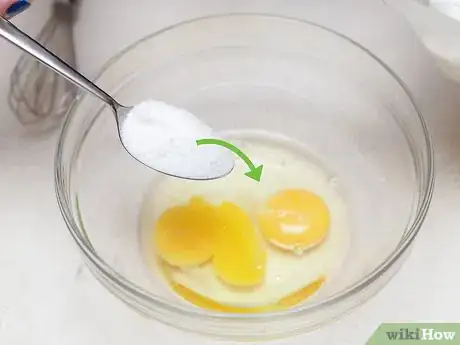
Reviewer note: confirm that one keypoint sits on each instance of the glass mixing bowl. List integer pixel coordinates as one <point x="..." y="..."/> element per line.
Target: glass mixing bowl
<point x="252" y="72"/>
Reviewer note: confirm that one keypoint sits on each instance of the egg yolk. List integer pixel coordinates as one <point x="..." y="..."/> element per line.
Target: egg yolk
<point x="294" y="219"/>
<point x="193" y="234"/>
<point x="239" y="252"/>
<point x="285" y="303"/>
<point x="184" y="235"/>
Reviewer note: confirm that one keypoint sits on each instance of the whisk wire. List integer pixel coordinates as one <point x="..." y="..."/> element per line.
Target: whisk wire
<point x="38" y="96"/>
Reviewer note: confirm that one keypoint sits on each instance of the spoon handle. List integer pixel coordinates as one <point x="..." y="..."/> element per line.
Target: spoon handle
<point x="32" y="47"/>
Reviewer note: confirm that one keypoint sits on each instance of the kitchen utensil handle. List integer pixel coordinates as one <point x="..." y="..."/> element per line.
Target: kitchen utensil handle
<point x="32" y="47"/>
<point x="16" y="8"/>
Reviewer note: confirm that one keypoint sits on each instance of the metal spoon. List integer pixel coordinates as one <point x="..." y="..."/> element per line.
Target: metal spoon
<point x="32" y="47"/>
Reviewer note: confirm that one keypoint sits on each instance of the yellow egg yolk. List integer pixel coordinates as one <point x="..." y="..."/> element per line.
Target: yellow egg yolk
<point x="239" y="253"/>
<point x="285" y="303"/>
<point x="294" y="219"/>
<point x="184" y="235"/>
<point x="193" y="234"/>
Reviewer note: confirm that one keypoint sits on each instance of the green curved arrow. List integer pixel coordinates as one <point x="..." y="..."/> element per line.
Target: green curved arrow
<point x="254" y="172"/>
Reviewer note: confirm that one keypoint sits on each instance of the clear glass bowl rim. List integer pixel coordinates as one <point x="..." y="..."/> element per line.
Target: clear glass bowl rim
<point x="425" y="196"/>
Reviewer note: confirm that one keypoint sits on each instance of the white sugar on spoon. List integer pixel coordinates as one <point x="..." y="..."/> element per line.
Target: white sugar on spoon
<point x="158" y="135"/>
<point x="164" y="137"/>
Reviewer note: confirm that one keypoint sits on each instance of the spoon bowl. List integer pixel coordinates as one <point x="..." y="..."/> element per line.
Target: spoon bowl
<point x="121" y="113"/>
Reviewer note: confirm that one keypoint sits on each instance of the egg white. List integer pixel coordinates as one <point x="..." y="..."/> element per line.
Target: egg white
<point x="286" y="166"/>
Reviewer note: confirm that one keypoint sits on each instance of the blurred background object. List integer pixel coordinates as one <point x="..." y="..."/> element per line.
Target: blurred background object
<point x="16" y="8"/>
<point x="450" y="8"/>
<point x="39" y="97"/>
<point x="437" y="23"/>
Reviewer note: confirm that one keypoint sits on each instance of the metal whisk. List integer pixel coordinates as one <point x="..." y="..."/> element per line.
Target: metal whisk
<point x="38" y="96"/>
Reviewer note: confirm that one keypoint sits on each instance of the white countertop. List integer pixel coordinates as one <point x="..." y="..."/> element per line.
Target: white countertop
<point x="48" y="297"/>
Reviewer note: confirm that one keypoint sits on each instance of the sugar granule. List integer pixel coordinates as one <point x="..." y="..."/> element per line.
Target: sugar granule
<point x="164" y="137"/>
